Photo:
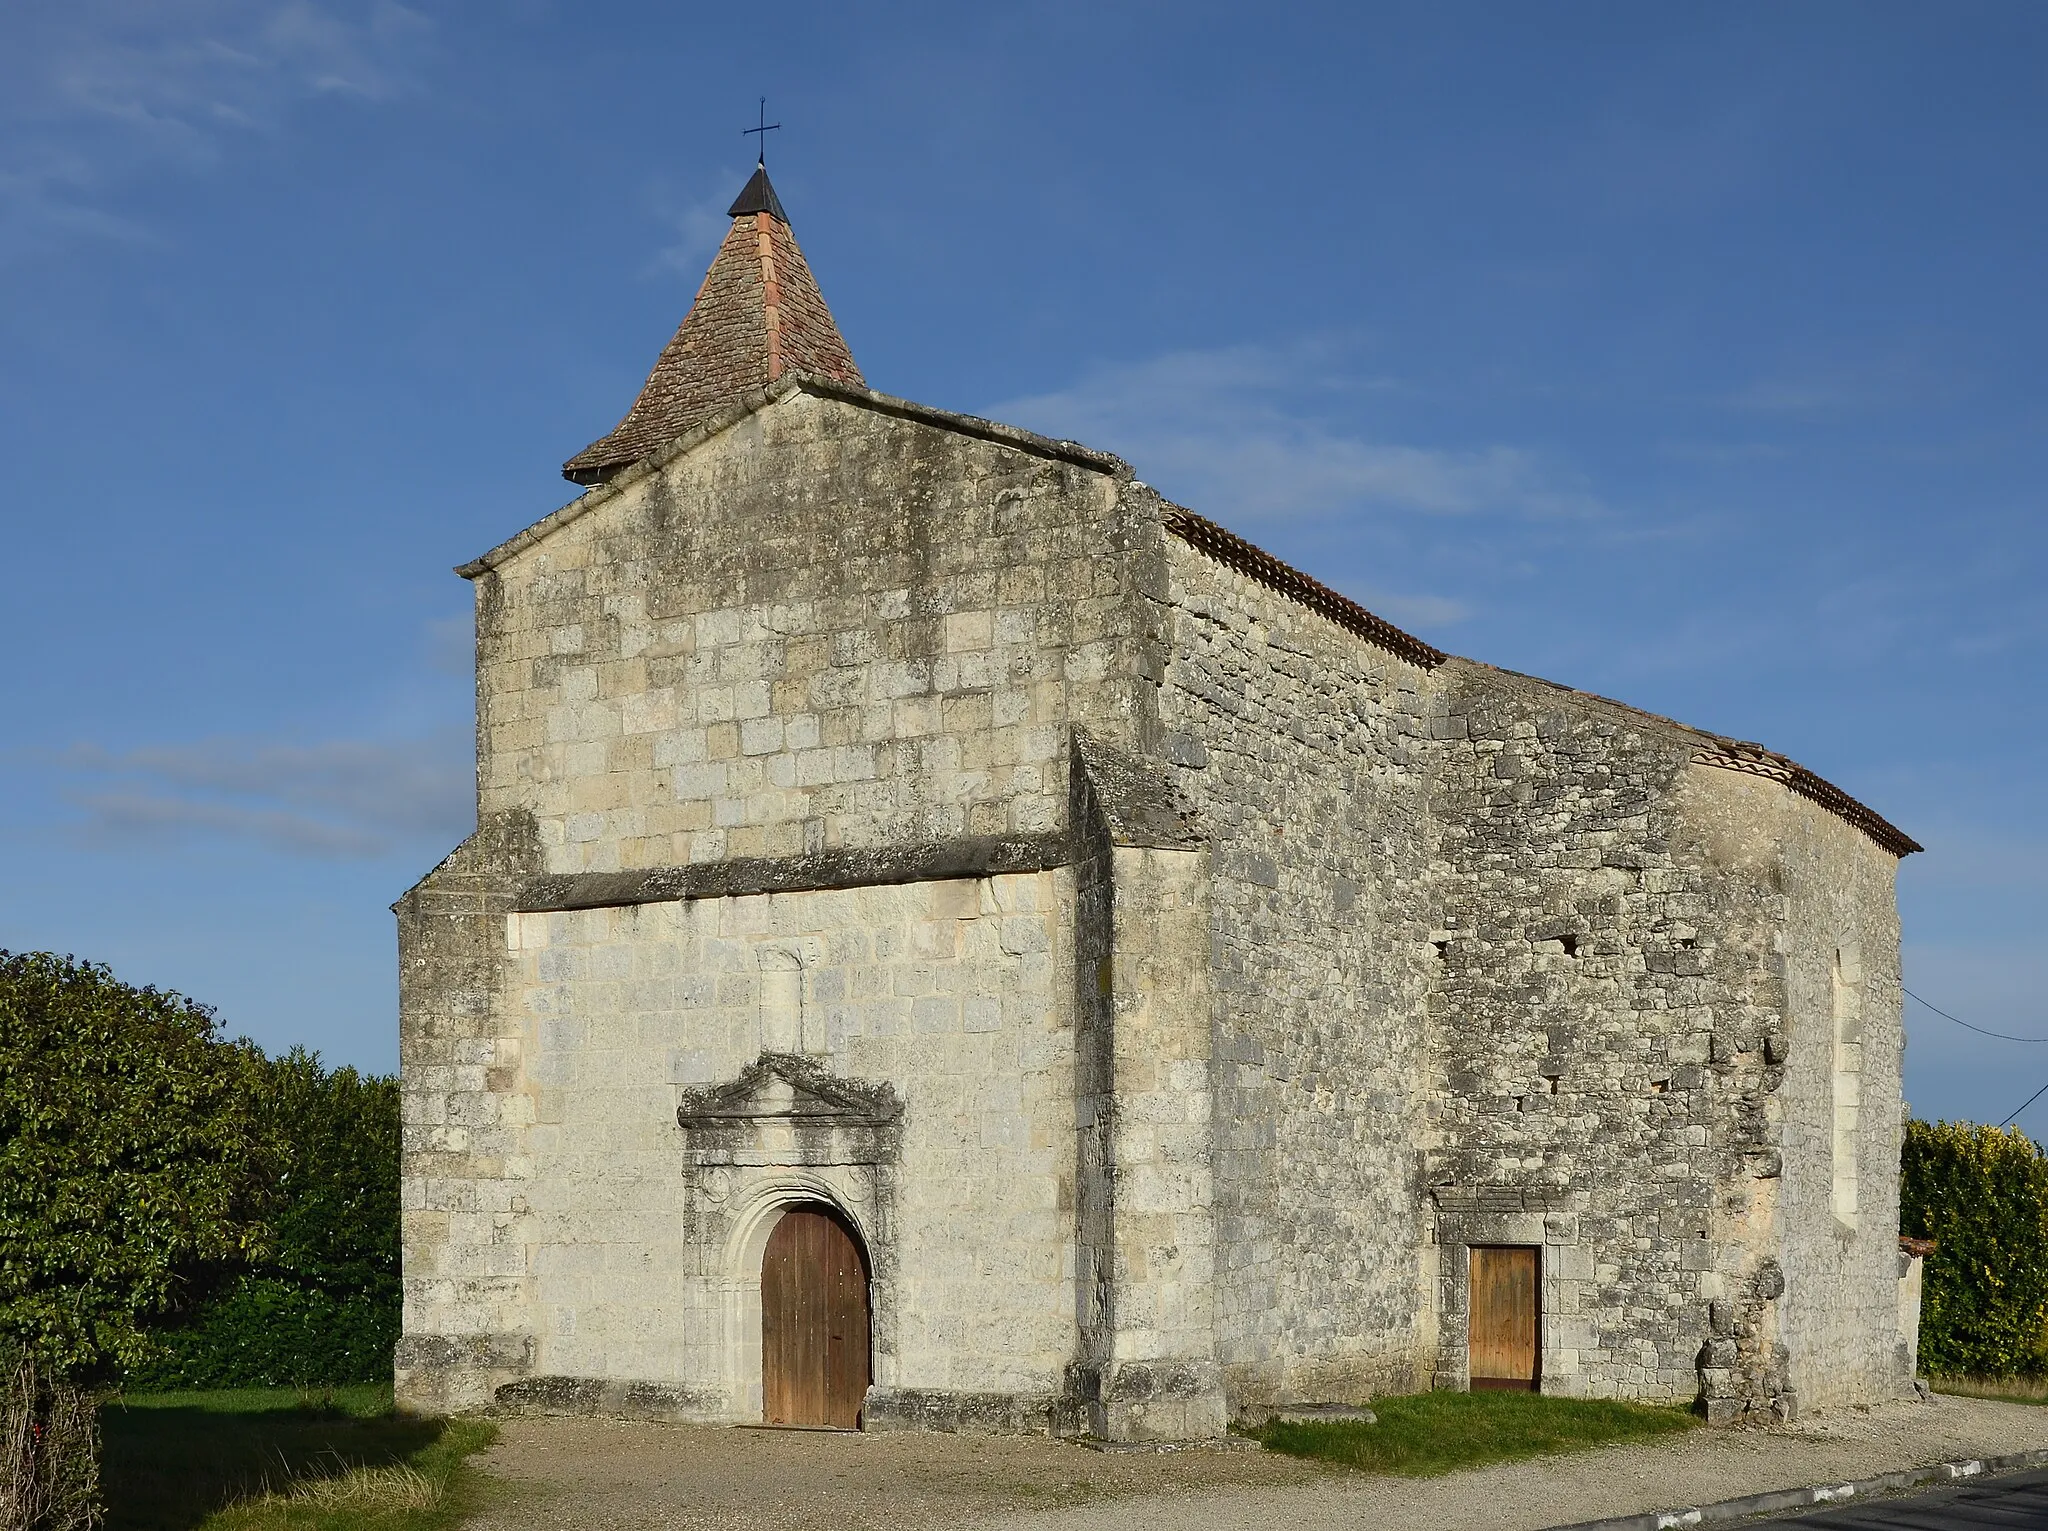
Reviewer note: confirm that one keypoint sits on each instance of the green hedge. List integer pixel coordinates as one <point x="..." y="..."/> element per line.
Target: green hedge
<point x="136" y="1161"/>
<point x="1983" y="1193"/>
<point x="321" y="1305"/>
<point x="263" y="1332"/>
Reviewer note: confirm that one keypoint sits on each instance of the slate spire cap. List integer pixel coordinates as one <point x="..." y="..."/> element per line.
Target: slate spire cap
<point x="758" y="196"/>
<point x="758" y="316"/>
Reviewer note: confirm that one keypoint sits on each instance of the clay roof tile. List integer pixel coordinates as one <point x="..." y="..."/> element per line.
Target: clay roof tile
<point x="758" y="316"/>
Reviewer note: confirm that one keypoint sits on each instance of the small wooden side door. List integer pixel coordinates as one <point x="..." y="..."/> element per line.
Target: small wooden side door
<point x="814" y="1323"/>
<point x="1503" y="1347"/>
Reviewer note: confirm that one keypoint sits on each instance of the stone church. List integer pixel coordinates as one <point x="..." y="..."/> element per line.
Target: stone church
<point x="956" y="941"/>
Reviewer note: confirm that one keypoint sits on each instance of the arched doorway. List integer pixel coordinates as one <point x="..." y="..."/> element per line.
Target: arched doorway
<point x="814" y="1321"/>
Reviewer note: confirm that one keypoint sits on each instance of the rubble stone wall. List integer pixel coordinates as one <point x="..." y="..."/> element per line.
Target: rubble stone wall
<point x="1582" y="976"/>
<point x="1811" y="921"/>
<point x="1305" y="751"/>
<point x="1633" y="946"/>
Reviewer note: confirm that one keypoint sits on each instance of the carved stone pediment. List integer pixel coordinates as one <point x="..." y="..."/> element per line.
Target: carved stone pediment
<point x="787" y="1109"/>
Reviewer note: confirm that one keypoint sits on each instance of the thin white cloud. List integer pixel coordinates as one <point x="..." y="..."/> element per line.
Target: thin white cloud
<point x="121" y="820"/>
<point x="1267" y="436"/>
<point x="450" y="644"/>
<point x="1803" y="396"/>
<point x="339" y="798"/>
<point x="1907" y="375"/>
<point x="1419" y="610"/>
<point x="1242" y="434"/>
<point x="94" y="93"/>
<point x="698" y="225"/>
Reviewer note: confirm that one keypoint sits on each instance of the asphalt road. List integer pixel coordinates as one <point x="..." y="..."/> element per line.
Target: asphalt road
<point x="2003" y="1503"/>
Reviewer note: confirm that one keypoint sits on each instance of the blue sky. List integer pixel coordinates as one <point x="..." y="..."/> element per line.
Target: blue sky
<point x="1686" y="354"/>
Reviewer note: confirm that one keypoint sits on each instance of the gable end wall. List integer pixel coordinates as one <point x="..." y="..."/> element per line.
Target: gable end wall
<point x="824" y="628"/>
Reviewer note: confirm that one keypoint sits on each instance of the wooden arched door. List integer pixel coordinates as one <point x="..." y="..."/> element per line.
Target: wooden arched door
<point x="814" y="1322"/>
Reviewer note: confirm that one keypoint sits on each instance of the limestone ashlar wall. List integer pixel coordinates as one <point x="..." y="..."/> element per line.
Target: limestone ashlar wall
<point x="825" y="626"/>
<point x="1302" y="747"/>
<point x="1585" y="975"/>
<point x="956" y="995"/>
<point x="1812" y="1304"/>
<point x="465" y="1327"/>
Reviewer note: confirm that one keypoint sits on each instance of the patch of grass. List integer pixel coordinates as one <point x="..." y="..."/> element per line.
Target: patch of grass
<point x="1429" y="1433"/>
<point x="284" y="1459"/>
<point x="2005" y="1389"/>
<point x="361" y="1400"/>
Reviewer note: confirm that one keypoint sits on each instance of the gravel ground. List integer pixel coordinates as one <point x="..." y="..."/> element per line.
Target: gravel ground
<point x="596" y="1475"/>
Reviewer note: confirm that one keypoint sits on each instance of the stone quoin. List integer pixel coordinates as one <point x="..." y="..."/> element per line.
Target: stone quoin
<point x="1162" y="973"/>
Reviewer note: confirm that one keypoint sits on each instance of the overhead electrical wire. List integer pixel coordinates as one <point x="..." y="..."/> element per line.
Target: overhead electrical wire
<point x="2026" y="1103"/>
<point x="2003" y="1036"/>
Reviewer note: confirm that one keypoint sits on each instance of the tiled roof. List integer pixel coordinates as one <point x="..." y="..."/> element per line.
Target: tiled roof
<point x="1229" y="548"/>
<point x="1709" y="749"/>
<point x="758" y="315"/>
<point x="1755" y="760"/>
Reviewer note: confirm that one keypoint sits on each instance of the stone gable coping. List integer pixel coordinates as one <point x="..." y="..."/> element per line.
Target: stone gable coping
<point x="1141" y="805"/>
<point x="750" y="403"/>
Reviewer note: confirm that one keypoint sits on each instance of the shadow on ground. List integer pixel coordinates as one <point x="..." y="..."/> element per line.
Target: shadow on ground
<point x="170" y="1462"/>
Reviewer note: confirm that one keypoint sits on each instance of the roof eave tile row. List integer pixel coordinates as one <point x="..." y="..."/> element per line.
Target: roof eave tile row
<point x="1727" y="754"/>
<point x="1755" y="760"/>
<point x="1254" y="562"/>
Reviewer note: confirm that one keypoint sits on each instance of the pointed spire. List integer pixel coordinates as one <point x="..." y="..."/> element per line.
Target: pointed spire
<point x="757" y="196"/>
<point x="758" y="316"/>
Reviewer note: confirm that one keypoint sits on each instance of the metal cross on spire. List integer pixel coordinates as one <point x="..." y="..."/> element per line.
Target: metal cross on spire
<point x="766" y="127"/>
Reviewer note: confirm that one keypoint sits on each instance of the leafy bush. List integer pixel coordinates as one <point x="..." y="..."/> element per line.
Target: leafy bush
<point x="322" y="1307"/>
<point x="261" y="1332"/>
<point x="1983" y="1194"/>
<point x="336" y="1217"/>
<point x="179" y="1209"/>
<point x="134" y="1157"/>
